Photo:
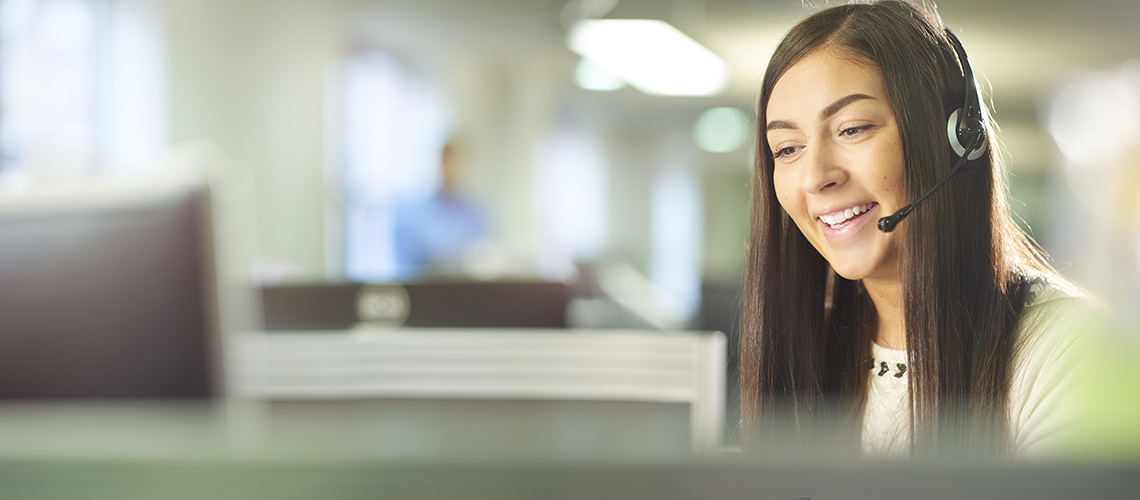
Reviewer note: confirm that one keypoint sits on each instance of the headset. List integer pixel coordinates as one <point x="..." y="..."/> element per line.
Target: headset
<point x="965" y="129"/>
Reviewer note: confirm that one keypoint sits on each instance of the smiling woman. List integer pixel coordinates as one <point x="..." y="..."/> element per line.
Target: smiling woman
<point x="951" y="334"/>
<point x="832" y="110"/>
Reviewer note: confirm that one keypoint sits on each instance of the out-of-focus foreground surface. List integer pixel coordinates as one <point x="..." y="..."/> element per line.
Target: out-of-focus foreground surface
<point x="185" y="451"/>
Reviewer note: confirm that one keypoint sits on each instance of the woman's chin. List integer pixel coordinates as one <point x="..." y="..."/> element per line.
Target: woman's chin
<point x="848" y="274"/>
<point x="851" y="271"/>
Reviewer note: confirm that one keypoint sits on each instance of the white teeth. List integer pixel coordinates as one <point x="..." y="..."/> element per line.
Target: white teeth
<point x="839" y="218"/>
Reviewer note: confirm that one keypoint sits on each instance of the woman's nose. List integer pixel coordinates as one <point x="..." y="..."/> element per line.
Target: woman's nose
<point x="823" y="170"/>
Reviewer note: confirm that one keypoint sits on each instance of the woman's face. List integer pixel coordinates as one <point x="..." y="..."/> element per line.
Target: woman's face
<point x="838" y="161"/>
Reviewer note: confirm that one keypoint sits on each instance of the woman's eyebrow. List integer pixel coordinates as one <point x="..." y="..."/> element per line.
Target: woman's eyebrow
<point x="823" y="115"/>
<point x="775" y="124"/>
<point x="838" y="105"/>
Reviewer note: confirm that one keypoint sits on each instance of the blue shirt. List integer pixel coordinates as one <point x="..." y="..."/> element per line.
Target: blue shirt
<point x="432" y="234"/>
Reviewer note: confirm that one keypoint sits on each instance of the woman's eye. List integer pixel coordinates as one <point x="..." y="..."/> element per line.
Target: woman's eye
<point x="790" y="150"/>
<point x="854" y="130"/>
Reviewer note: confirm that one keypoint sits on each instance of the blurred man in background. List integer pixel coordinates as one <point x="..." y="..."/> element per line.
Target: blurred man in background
<point x="434" y="233"/>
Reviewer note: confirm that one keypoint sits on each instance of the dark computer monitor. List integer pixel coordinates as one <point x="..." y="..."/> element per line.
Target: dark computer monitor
<point x="105" y="293"/>
<point x="438" y="303"/>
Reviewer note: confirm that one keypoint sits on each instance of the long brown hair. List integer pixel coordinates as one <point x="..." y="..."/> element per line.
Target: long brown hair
<point x="806" y="333"/>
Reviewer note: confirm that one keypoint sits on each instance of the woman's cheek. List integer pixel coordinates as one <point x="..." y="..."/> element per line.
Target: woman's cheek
<point x="781" y="183"/>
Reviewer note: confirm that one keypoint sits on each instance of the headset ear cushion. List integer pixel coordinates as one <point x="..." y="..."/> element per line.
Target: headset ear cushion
<point x="972" y="131"/>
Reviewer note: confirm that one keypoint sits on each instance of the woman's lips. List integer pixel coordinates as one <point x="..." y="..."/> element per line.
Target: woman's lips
<point x="846" y="225"/>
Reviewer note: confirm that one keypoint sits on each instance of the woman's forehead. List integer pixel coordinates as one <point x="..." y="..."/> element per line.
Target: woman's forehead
<point x="821" y="78"/>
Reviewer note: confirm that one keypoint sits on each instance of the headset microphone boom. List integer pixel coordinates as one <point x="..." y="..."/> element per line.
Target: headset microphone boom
<point x="965" y="129"/>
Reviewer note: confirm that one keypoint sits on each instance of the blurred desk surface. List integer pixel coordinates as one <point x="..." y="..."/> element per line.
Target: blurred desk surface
<point x="155" y="451"/>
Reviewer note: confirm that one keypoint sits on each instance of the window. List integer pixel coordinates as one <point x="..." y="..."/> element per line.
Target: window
<point x="393" y="128"/>
<point x="80" y="89"/>
<point x="571" y="200"/>
<point x="47" y="86"/>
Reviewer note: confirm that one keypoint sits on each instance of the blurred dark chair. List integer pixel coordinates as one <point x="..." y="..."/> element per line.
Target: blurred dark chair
<point x="106" y="295"/>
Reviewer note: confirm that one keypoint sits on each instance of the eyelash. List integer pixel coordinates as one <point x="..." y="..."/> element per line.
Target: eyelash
<point x="847" y="132"/>
<point x="781" y="152"/>
<point x="854" y="130"/>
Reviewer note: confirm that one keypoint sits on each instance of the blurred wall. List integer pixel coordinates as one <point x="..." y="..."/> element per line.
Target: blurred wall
<point x="253" y="78"/>
<point x="247" y="76"/>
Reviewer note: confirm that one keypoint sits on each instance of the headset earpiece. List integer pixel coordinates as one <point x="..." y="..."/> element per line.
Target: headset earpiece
<point x="965" y="128"/>
<point x="966" y="133"/>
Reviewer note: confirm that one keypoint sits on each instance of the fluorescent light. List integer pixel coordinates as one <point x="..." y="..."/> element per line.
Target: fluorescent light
<point x="650" y="55"/>
<point x="590" y="76"/>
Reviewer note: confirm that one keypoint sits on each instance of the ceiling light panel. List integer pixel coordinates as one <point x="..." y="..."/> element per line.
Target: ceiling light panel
<point x="650" y="55"/>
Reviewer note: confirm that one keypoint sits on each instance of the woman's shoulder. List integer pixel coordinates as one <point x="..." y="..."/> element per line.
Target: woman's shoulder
<point x="1054" y="315"/>
<point x="1052" y="328"/>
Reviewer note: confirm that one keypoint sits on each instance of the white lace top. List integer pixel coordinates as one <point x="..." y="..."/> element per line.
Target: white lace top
<point x="1041" y="406"/>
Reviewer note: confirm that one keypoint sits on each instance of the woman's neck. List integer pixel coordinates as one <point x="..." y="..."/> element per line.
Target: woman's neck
<point x="887" y="295"/>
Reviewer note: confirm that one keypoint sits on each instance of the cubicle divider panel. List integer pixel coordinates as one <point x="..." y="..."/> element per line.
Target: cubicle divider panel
<point x="555" y="364"/>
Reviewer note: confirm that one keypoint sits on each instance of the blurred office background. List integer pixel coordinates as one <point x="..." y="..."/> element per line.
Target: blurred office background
<point x="334" y="114"/>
